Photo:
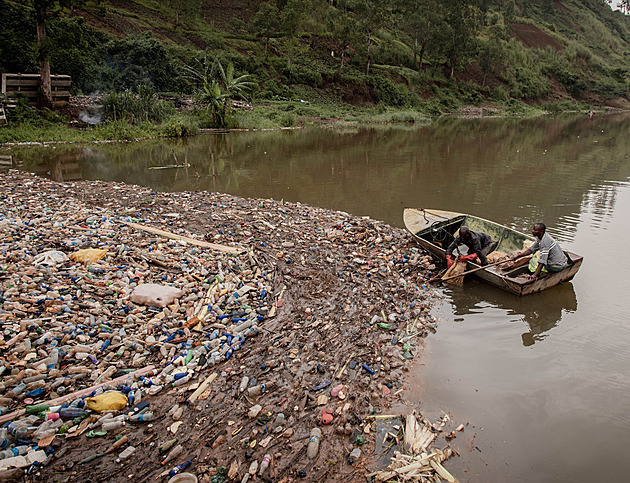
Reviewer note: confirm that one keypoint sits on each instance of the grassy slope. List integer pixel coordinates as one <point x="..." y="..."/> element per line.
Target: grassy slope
<point x="594" y="40"/>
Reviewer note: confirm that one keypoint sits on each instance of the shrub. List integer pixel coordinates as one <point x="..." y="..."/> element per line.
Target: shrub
<point x="178" y="126"/>
<point x="500" y="93"/>
<point x="389" y="93"/>
<point x="300" y="75"/>
<point x="273" y="89"/>
<point x="24" y="114"/>
<point x="134" y="108"/>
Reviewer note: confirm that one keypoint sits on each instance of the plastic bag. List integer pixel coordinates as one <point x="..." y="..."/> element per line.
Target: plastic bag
<point x="108" y="401"/>
<point x="88" y="255"/>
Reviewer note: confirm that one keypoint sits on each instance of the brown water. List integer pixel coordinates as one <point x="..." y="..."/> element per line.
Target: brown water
<point x="543" y="381"/>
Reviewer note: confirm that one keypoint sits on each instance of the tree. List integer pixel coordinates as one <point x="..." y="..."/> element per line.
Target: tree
<point x="343" y="27"/>
<point x="548" y="8"/>
<point x="184" y="8"/>
<point x="624" y="6"/>
<point x="372" y="15"/>
<point x="509" y="14"/>
<point x="291" y="19"/>
<point x="44" y="10"/>
<point x="458" y="35"/>
<point x="419" y="19"/>
<point x="265" y="22"/>
<point x="219" y="86"/>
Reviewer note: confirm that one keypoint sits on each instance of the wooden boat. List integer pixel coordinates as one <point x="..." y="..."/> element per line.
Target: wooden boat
<point x="434" y="230"/>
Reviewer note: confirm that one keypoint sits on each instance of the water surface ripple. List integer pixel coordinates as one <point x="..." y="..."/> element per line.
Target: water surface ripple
<point x="542" y="381"/>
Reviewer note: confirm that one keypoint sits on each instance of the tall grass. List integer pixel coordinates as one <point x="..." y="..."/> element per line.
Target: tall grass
<point x="143" y="106"/>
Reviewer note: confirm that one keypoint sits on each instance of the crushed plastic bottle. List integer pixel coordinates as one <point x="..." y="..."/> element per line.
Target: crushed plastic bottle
<point x="313" y="443"/>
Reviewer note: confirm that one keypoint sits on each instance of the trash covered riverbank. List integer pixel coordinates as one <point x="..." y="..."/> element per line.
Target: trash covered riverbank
<point x="156" y="336"/>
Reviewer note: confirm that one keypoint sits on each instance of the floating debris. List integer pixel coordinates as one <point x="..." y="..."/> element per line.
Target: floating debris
<point x="233" y="333"/>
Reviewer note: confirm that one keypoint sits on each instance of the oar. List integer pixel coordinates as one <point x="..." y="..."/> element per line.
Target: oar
<point x="434" y="279"/>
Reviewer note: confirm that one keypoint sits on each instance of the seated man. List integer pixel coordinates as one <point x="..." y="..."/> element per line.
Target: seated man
<point x="552" y="258"/>
<point x="479" y="245"/>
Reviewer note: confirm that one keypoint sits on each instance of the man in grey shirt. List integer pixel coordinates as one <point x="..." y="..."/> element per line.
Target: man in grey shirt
<point x="551" y="258"/>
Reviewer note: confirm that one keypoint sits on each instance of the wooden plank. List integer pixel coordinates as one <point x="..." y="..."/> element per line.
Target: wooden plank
<point x="192" y="241"/>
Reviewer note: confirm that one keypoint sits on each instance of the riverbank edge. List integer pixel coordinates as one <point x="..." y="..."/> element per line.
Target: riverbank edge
<point x="379" y="256"/>
<point x="336" y="122"/>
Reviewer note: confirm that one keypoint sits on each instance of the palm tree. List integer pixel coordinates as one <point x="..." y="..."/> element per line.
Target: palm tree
<point x="212" y="95"/>
<point x="235" y="87"/>
<point x="219" y="86"/>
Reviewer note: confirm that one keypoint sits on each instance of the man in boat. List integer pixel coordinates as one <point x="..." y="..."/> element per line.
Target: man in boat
<point x="479" y="246"/>
<point x="552" y="257"/>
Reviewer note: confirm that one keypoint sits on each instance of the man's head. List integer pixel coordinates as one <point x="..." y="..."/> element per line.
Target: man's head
<point x="464" y="233"/>
<point x="539" y="230"/>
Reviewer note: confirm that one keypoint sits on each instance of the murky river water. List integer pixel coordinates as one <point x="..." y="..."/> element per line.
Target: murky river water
<point x="543" y="381"/>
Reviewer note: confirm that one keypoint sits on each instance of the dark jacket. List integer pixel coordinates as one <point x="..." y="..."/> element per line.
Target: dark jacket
<point x="478" y="241"/>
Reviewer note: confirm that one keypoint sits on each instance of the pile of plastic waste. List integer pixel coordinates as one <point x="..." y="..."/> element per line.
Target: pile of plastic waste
<point x="197" y="335"/>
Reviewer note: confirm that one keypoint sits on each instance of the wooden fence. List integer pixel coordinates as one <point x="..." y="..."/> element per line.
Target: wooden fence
<point x="28" y="85"/>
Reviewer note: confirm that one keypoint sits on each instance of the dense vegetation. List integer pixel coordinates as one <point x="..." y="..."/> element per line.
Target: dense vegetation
<point x="417" y="56"/>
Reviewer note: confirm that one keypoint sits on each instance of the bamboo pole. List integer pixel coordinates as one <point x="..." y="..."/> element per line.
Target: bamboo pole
<point x="202" y="387"/>
<point x="434" y="279"/>
<point x="192" y="241"/>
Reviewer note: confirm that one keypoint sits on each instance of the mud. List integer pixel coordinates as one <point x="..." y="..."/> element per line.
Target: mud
<point x="342" y="309"/>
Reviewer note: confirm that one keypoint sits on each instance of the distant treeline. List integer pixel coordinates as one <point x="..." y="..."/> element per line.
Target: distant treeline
<point x="429" y="54"/>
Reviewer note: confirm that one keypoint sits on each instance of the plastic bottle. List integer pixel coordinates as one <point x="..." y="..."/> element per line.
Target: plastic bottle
<point x="244" y="383"/>
<point x="168" y="445"/>
<point x="117" y="444"/>
<point x="264" y="464"/>
<point x="127" y="452"/>
<point x="111" y="425"/>
<point x="253" y="467"/>
<point x="313" y="443"/>
<point x="182" y="381"/>
<point x="179" y="468"/>
<point x="355" y="454"/>
<point x="260" y="389"/>
<point x="4" y="442"/>
<point x="71" y="412"/>
<point x="17" y="451"/>
<point x="19" y="389"/>
<point x="175" y="452"/>
<point x="142" y="418"/>
<point x="154" y="390"/>
<point x="22" y="433"/>
<point x="39" y="408"/>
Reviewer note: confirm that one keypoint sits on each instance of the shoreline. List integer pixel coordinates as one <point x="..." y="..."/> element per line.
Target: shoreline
<point x="465" y="112"/>
<point x="340" y="301"/>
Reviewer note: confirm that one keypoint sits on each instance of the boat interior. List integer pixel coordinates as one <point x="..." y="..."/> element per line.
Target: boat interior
<point x="442" y="233"/>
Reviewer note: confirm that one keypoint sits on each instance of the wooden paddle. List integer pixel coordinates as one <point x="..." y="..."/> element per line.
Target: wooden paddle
<point x="434" y="279"/>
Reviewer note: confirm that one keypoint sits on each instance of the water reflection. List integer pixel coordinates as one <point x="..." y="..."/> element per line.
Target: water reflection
<point x="545" y="312"/>
<point x="535" y="372"/>
<point x="515" y="172"/>
<point x="542" y="312"/>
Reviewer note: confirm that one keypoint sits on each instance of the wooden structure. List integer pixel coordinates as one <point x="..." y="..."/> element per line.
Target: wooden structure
<point x="6" y="162"/>
<point x="434" y="230"/>
<point x="28" y="85"/>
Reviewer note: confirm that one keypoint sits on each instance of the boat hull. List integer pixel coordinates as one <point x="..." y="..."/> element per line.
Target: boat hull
<point x="426" y="227"/>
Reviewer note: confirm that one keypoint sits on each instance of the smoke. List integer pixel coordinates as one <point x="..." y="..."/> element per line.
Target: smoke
<point x="88" y="118"/>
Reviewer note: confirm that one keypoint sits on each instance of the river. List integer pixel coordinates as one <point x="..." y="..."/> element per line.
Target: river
<point x="541" y="382"/>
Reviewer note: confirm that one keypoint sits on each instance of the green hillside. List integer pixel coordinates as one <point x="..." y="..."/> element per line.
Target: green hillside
<point x="429" y="56"/>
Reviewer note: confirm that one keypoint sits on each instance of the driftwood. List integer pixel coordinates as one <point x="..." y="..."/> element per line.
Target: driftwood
<point x="202" y="387"/>
<point x="422" y="463"/>
<point x="192" y="241"/>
